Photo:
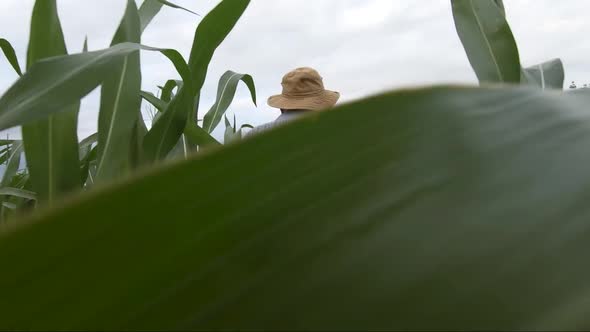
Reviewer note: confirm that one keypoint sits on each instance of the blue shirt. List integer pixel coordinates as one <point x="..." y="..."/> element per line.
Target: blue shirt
<point x="284" y="118"/>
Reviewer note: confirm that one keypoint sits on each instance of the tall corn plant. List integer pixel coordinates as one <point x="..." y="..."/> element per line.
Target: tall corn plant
<point x="51" y="144"/>
<point x="45" y="100"/>
<point x="491" y="48"/>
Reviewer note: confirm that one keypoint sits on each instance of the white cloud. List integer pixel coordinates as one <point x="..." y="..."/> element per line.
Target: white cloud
<point x="366" y="14"/>
<point x="360" y="46"/>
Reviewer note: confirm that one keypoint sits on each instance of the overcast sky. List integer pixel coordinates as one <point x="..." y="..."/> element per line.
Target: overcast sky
<point x="361" y="47"/>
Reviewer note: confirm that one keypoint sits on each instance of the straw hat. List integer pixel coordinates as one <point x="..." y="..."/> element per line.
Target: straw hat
<point x="303" y="89"/>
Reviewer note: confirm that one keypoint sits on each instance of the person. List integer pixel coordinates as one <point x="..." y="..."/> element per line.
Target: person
<point x="303" y="92"/>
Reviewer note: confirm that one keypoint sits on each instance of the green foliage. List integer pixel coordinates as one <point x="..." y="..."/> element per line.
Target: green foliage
<point x="439" y="212"/>
<point x="12" y="164"/>
<point x="210" y="33"/>
<point x="120" y="103"/>
<point x="45" y="101"/>
<point x="225" y="95"/>
<point x="8" y="51"/>
<point x="500" y="4"/>
<point x="548" y="75"/>
<point x="49" y="86"/>
<point x="172" y="5"/>
<point x="232" y="133"/>
<point x="150" y="8"/>
<point x="492" y="51"/>
<point x="168" y="89"/>
<point x="442" y="208"/>
<point x="51" y="144"/>
<point x="7" y="191"/>
<point x="488" y="40"/>
<point x="159" y="104"/>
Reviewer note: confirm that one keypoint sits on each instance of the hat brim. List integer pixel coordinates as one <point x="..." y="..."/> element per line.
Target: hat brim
<point x="327" y="99"/>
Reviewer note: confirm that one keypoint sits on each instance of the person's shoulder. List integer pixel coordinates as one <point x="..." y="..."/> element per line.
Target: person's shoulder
<point x="284" y="118"/>
<point x="261" y="128"/>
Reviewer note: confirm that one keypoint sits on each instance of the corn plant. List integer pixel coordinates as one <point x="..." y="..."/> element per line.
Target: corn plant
<point x="439" y="208"/>
<point x="57" y="163"/>
<point x="232" y="132"/>
<point x="492" y="50"/>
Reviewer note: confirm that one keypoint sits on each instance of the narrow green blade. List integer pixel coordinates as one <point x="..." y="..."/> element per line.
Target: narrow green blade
<point x="12" y="164"/>
<point x="51" y="144"/>
<point x="139" y="132"/>
<point x="88" y="154"/>
<point x="444" y="209"/>
<point x="6" y="142"/>
<point x="53" y="84"/>
<point x="88" y="141"/>
<point x="120" y="104"/>
<point x="16" y="192"/>
<point x="199" y="136"/>
<point x="10" y="55"/>
<point x="4" y="154"/>
<point x="488" y="40"/>
<point x="168" y="88"/>
<point x="230" y="132"/>
<point x="181" y="150"/>
<point x="225" y="95"/>
<point x="150" y="8"/>
<point x="89" y="158"/>
<point x="210" y="33"/>
<point x="172" y="5"/>
<point x="158" y="103"/>
<point x="500" y="4"/>
<point x="547" y="75"/>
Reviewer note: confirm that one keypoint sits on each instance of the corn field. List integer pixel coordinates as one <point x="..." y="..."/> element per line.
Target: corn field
<point x="445" y="207"/>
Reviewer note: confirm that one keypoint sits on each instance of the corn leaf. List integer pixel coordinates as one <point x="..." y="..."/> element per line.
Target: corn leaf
<point x="210" y="33"/>
<point x="165" y="132"/>
<point x="88" y="154"/>
<point x="500" y="4"/>
<point x="150" y="8"/>
<point x="4" y="154"/>
<point x="51" y="144"/>
<point x="232" y="133"/>
<point x="88" y="142"/>
<point x="229" y="132"/>
<point x="158" y="103"/>
<point x="139" y="132"/>
<point x="212" y="30"/>
<point x="198" y="136"/>
<point x="182" y="149"/>
<point x="88" y="159"/>
<point x="120" y="104"/>
<point x="9" y="205"/>
<point x="147" y="12"/>
<point x="488" y="40"/>
<point x="547" y="75"/>
<point x="16" y="192"/>
<point x="171" y="5"/>
<point x="52" y="84"/>
<point x="6" y="142"/>
<point x="168" y="88"/>
<point x="225" y="95"/>
<point x="10" y="55"/>
<point x="12" y="164"/>
<point x="444" y="209"/>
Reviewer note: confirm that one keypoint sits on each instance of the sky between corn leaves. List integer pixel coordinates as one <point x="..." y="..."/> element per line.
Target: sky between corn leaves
<point x="361" y="47"/>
